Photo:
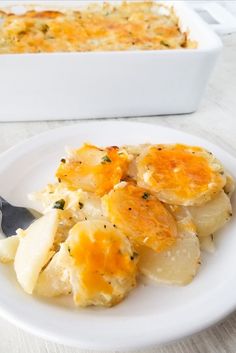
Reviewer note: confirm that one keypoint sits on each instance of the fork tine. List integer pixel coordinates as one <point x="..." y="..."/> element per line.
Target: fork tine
<point x="14" y="217"/>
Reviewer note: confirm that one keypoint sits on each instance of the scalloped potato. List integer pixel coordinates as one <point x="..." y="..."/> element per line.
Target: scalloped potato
<point x="117" y="212"/>
<point x="211" y="216"/>
<point x="101" y="26"/>
<point x="180" y="174"/>
<point x="103" y="265"/>
<point x="32" y="254"/>
<point x="207" y="243"/>
<point x="179" y="264"/>
<point x="8" y="249"/>
<point x="229" y="187"/>
<point x="93" y="169"/>
<point x="143" y="218"/>
<point x="54" y="280"/>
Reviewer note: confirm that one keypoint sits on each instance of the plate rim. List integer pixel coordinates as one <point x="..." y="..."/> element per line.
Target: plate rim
<point x="52" y="336"/>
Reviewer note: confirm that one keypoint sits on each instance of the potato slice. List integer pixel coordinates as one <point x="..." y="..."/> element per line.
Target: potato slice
<point x="8" y="248"/>
<point x="180" y="174"/>
<point x="102" y="265"/>
<point x="207" y="243"/>
<point x="54" y="280"/>
<point x="177" y="265"/>
<point x="211" y="216"/>
<point x="92" y="207"/>
<point x="142" y="217"/>
<point x="134" y="151"/>
<point x="93" y="169"/>
<point x="33" y="250"/>
<point x="230" y="185"/>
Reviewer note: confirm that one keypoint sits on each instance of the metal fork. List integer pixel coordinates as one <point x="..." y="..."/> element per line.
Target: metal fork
<point x="14" y="217"/>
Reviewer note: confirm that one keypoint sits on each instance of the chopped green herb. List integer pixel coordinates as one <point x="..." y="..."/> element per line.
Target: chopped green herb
<point x="145" y="195"/>
<point x="81" y="205"/>
<point x="59" y="204"/>
<point x="106" y="159"/>
<point x="63" y="160"/>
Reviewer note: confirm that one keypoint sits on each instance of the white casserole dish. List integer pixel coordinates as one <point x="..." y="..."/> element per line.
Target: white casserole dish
<point x="108" y="84"/>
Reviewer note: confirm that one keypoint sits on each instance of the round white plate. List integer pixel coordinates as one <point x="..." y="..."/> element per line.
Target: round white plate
<point x="152" y="314"/>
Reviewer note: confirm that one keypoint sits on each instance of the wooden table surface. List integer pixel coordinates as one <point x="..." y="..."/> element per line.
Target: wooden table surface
<point x="215" y="121"/>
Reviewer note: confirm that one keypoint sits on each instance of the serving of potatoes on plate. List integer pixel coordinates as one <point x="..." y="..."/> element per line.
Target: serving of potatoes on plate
<point x="115" y="213"/>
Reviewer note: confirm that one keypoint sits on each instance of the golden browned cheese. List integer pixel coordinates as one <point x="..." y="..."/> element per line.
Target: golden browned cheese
<point x="104" y="266"/>
<point x="102" y="253"/>
<point x="103" y="27"/>
<point x="179" y="174"/>
<point x="93" y="169"/>
<point x="141" y="217"/>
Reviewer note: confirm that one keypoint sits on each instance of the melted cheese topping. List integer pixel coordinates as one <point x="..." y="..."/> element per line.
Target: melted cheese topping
<point x="100" y="253"/>
<point x="103" y="258"/>
<point x="99" y="27"/>
<point x="93" y="169"/>
<point x="94" y="257"/>
<point x="180" y="174"/>
<point x="141" y="217"/>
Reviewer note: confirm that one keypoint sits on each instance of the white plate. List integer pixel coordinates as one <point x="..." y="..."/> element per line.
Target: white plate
<point x="151" y="314"/>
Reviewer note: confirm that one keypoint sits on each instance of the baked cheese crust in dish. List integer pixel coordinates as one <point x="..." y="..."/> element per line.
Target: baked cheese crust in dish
<point x="115" y="213"/>
<point x="143" y="25"/>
